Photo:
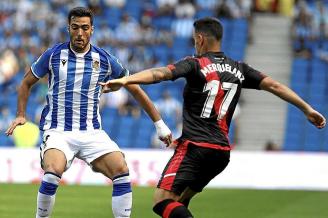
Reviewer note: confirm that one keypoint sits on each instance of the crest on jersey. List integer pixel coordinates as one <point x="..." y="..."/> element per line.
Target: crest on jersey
<point x="95" y="65"/>
<point x="63" y="62"/>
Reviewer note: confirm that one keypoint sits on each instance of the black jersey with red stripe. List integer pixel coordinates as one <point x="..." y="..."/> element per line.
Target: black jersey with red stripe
<point x="214" y="83"/>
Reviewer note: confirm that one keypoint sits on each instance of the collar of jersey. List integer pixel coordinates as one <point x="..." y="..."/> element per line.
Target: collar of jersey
<point x="217" y="53"/>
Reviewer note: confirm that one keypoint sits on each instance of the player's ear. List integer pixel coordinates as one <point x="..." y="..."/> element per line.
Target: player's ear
<point x="92" y="30"/>
<point x="200" y="39"/>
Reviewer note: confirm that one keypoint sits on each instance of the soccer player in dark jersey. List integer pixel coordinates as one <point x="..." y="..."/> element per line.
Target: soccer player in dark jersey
<point x="214" y="83"/>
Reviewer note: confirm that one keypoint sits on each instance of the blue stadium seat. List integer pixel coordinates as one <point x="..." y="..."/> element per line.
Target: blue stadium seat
<point x="144" y="134"/>
<point x="133" y="8"/>
<point x="294" y="130"/>
<point x="292" y="142"/>
<point x="204" y="13"/>
<point x="325" y="140"/>
<point x="113" y="16"/>
<point x="161" y="52"/>
<point x="240" y="25"/>
<point x="313" y="140"/>
<point x="111" y="121"/>
<point x="6" y="141"/>
<point x="163" y="22"/>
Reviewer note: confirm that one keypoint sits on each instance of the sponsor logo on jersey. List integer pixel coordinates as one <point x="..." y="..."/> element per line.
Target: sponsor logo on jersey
<point x="63" y="62"/>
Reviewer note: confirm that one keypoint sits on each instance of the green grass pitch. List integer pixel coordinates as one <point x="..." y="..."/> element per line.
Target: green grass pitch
<point x="19" y="201"/>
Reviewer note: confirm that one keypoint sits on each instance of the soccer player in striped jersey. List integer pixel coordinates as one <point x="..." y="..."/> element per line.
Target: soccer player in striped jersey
<point x="71" y="120"/>
<point x="214" y="84"/>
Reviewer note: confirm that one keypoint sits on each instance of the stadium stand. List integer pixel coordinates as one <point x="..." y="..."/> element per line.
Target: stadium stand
<point x="309" y="77"/>
<point x="28" y="41"/>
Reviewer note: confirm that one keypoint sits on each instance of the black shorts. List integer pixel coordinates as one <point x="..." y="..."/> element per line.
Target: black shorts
<point x="192" y="166"/>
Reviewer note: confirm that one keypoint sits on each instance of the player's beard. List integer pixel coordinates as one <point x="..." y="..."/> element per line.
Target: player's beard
<point x="80" y="45"/>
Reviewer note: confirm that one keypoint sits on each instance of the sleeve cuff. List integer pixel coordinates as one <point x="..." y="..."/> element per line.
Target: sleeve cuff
<point x="34" y="73"/>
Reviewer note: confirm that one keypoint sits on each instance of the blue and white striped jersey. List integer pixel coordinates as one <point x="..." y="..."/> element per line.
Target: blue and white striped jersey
<point x="74" y="92"/>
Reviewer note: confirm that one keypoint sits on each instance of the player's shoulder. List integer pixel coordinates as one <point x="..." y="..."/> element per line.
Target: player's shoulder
<point x="102" y="52"/>
<point x="56" y="48"/>
<point x="187" y="59"/>
<point x="234" y="62"/>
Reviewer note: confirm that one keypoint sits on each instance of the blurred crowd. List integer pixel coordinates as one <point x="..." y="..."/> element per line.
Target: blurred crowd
<point x="310" y="29"/>
<point x="131" y="30"/>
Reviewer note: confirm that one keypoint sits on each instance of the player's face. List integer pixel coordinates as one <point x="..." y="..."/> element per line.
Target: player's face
<point x="80" y="31"/>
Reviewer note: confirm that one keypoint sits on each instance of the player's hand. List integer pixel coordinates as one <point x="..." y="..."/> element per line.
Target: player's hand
<point x="163" y="132"/>
<point x="316" y="118"/>
<point x="173" y="144"/>
<point x="112" y="85"/>
<point x="17" y="122"/>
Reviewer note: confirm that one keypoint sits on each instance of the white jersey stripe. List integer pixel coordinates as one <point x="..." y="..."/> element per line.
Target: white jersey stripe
<point x="62" y="86"/>
<point x="79" y="72"/>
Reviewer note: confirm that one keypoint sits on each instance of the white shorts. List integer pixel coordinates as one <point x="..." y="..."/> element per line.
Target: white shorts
<point x="85" y="145"/>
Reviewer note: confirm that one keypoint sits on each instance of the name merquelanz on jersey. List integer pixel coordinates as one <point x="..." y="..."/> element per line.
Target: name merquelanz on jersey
<point x="210" y="68"/>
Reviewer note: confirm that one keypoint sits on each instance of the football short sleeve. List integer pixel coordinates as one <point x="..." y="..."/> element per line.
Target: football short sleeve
<point x="253" y="77"/>
<point x="41" y="66"/>
<point x="182" y="68"/>
<point x="117" y="68"/>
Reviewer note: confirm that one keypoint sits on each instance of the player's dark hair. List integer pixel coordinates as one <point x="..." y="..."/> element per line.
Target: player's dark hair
<point x="80" y="12"/>
<point x="210" y="26"/>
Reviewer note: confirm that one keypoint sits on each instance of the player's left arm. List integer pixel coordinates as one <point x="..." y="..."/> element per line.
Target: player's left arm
<point x="163" y="132"/>
<point x="290" y="96"/>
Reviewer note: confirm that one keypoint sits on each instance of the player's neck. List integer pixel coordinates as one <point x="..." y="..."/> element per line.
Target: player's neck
<point x="80" y="52"/>
<point x="212" y="48"/>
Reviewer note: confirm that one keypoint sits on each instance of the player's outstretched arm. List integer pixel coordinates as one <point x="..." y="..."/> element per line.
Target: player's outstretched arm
<point x="23" y="94"/>
<point x="290" y="96"/>
<point x="149" y="76"/>
<point x="163" y="132"/>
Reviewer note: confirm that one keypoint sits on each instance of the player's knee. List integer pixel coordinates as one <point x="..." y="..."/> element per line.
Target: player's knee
<point x="119" y="170"/>
<point x="54" y="168"/>
<point x="161" y="195"/>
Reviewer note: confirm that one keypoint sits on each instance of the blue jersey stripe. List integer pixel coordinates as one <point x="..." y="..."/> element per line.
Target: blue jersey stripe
<point x="44" y="113"/>
<point x="84" y="91"/>
<point x="69" y="91"/>
<point x="95" y="120"/>
<point x="54" y="118"/>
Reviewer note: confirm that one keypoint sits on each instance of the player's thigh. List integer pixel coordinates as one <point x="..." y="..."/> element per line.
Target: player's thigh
<point x="211" y="163"/>
<point x="110" y="164"/>
<point x="178" y="172"/>
<point x="192" y="167"/>
<point x="94" y="144"/>
<point x="55" y="152"/>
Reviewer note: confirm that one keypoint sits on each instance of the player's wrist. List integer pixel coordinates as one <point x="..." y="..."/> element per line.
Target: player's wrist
<point x="162" y="129"/>
<point x="21" y="114"/>
<point x="159" y="124"/>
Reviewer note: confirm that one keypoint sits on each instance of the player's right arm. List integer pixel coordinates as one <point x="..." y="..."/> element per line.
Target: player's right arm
<point x="149" y="76"/>
<point x="182" y="68"/>
<point x="23" y="94"/>
<point x="38" y="69"/>
<point x="290" y="96"/>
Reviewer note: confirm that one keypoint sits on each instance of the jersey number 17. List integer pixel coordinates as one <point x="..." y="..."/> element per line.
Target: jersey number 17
<point x="213" y="88"/>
